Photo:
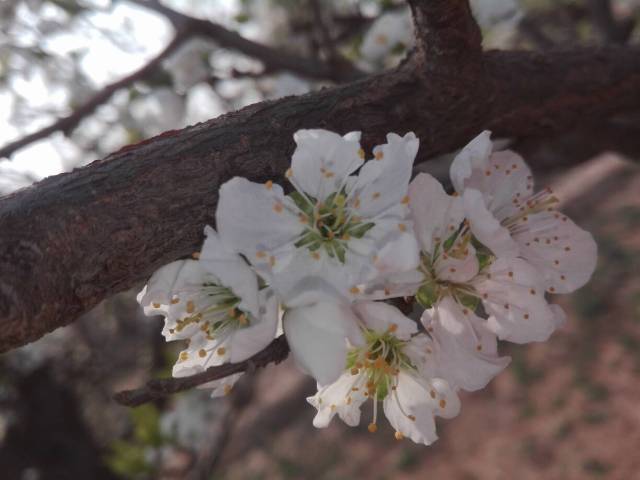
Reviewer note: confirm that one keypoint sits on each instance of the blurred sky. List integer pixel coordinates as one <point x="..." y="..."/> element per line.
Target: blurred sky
<point x="103" y="62"/>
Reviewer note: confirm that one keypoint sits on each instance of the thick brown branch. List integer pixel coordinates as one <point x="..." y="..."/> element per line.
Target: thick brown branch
<point x="70" y="122"/>
<point x="72" y="240"/>
<point x="275" y="352"/>
<point x="447" y="36"/>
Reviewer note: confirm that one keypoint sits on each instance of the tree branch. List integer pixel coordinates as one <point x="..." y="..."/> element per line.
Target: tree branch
<point x="275" y="352"/>
<point x="74" y="239"/>
<point x="186" y="28"/>
<point x="273" y="59"/>
<point x="447" y="35"/>
<point x="70" y="122"/>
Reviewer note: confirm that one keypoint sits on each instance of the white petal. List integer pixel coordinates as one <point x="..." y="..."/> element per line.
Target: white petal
<point x="323" y="160"/>
<point x="473" y="157"/>
<point x="317" y="336"/>
<point x="505" y="182"/>
<point x="513" y="298"/>
<point x="503" y="178"/>
<point x="253" y="218"/>
<point x="339" y="398"/>
<point x="400" y="254"/>
<point x="404" y="284"/>
<point x="246" y="342"/>
<point x="466" y="350"/>
<point x="308" y="279"/>
<point x="381" y="317"/>
<point x="411" y="409"/>
<point x="436" y="215"/>
<point x="565" y="255"/>
<point x="460" y="268"/>
<point x="223" y="386"/>
<point x="161" y="284"/>
<point x="486" y="227"/>
<point x="383" y="182"/>
<point x="231" y="269"/>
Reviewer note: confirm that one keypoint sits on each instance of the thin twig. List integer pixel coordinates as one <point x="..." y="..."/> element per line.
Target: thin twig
<point x="70" y="122"/>
<point x="275" y="352"/>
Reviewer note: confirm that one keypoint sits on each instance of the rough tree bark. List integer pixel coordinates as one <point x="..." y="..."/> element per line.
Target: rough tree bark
<point x="73" y="239"/>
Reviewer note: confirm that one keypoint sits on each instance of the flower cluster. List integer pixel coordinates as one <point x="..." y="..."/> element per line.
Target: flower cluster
<point x="326" y="256"/>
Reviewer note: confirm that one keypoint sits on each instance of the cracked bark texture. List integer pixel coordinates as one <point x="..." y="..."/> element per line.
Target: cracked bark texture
<point x="74" y="239"/>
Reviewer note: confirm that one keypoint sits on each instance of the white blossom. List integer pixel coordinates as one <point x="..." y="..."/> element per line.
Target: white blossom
<point x="455" y="276"/>
<point x="336" y="231"/>
<point x="388" y="32"/>
<point x="216" y="305"/>
<point x="391" y="367"/>
<point x="508" y="217"/>
<point x="317" y="246"/>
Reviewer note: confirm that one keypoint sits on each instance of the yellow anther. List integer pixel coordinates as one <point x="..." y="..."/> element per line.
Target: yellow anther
<point x="432" y="393"/>
<point x="354" y="290"/>
<point x="402" y="227"/>
<point x="277" y="207"/>
<point x="191" y="307"/>
<point x="288" y="173"/>
<point x="175" y="300"/>
<point x="393" y="327"/>
<point x="405" y="200"/>
<point x="202" y="352"/>
<point x="361" y="153"/>
<point x="184" y="356"/>
<point x="355" y="371"/>
<point x="399" y="435"/>
<point x="373" y="427"/>
<point x="412" y="418"/>
<point x="221" y="351"/>
<point x="376" y="195"/>
<point x="379" y="363"/>
<point x="195" y="255"/>
<point x="242" y="320"/>
<point x="379" y="155"/>
<point x="268" y="184"/>
<point x="227" y="389"/>
<point x="261" y="254"/>
<point x="443" y="403"/>
<point x="156" y="305"/>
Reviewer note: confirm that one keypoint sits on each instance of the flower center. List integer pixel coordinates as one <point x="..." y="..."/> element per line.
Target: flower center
<point x="329" y="224"/>
<point x="214" y="308"/>
<point x="434" y="288"/>
<point x="379" y="362"/>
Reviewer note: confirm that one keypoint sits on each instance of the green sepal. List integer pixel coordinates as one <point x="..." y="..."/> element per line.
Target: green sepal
<point x="427" y="294"/>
